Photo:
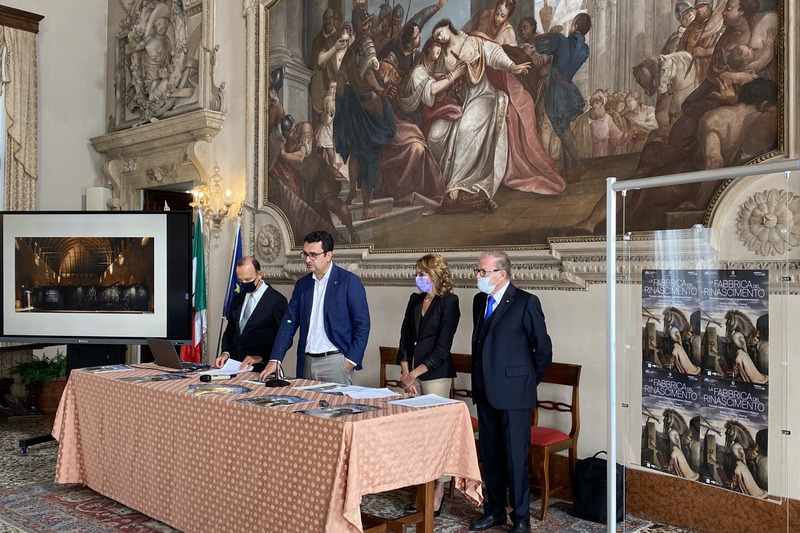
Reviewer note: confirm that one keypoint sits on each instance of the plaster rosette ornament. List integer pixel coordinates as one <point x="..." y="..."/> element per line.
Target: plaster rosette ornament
<point x="769" y="222"/>
<point x="268" y="243"/>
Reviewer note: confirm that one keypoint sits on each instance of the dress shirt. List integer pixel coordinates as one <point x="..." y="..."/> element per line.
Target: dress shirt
<point x="317" y="340"/>
<point x="255" y="296"/>
<point x="498" y="297"/>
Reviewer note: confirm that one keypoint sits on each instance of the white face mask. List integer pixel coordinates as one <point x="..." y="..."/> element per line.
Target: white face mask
<point x="485" y="285"/>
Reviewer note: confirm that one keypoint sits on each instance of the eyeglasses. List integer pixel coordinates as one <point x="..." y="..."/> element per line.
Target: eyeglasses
<point x="481" y="272"/>
<point x="312" y="255"/>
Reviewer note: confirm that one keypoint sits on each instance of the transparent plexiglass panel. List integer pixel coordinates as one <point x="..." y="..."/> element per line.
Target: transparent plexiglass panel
<point x="707" y="335"/>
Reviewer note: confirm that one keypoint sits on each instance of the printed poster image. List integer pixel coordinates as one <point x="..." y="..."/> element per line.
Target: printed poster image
<point x="670" y="422"/>
<point x="735" y="440"/>
<point x="705" y="376"/>
<point x="735" y="305"/>
<point x="671" y="315"/>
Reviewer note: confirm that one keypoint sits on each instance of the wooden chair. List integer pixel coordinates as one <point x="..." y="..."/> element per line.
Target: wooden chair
<point x="463" y="364"/>
<point x="389" y="357"/>
<point x="546" y="441"/>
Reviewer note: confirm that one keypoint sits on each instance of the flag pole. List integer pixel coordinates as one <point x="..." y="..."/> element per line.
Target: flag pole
<point x="237" y="247"/>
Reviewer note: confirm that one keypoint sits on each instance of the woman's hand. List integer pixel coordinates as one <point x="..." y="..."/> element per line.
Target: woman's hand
<point x="407" y="381"/>
<point x="522" y="68"/>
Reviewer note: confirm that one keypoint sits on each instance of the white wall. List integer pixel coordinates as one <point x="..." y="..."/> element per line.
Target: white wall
<point x="72" y="85"/>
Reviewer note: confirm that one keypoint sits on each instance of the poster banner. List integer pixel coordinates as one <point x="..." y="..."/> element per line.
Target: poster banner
<point x="705" y="375"/>
<point x="670" y="401"/>
<point x="735" y="429"/>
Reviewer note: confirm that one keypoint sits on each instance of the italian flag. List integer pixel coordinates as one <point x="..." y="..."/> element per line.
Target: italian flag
<point x="194" y="353"/>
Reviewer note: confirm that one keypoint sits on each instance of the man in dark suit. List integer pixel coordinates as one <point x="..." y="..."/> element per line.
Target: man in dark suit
<point x="253" y="318"/>
<point x="329" y="305"/>
<point x="511" y="351"/>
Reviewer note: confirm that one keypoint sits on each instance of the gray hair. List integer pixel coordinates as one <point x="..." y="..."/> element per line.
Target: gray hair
<point x="499" y="259"/>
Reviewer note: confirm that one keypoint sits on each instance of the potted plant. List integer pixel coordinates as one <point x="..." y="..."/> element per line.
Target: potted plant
<point x="44" y="379"/>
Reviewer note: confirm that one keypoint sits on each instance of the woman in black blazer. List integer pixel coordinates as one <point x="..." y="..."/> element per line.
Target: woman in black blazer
<point x="426" y="337"/>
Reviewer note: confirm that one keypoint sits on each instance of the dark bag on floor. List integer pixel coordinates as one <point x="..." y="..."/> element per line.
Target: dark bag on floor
<point x="589" y="491"/>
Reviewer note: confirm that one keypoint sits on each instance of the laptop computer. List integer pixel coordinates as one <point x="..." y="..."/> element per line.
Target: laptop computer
<point x="166" y="355"/>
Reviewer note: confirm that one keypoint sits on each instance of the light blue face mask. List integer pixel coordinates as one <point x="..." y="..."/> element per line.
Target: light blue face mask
<point x="424" y="284"/>
<point x="485" y="285"/>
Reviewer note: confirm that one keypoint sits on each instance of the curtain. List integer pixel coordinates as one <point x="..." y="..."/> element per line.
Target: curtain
<point x="21" y="86"/>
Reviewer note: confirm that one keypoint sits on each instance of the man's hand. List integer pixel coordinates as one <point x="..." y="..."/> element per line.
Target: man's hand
<point x="348" y="365"/>
<point x="220" y="361"/>
<point x="250" y="360"/>
<point x="271" y="369"/>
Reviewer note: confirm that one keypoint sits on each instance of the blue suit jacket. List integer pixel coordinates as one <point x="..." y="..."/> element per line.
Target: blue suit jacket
<point x="516" y="351"/>
<point x="346" y="317"/>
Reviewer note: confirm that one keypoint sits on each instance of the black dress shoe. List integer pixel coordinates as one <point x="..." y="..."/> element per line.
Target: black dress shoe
<point x="523" y="526"/>
<point x="488" y="521"/>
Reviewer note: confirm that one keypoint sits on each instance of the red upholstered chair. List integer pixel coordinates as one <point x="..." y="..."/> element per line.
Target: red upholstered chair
<point x="546" y="441"/>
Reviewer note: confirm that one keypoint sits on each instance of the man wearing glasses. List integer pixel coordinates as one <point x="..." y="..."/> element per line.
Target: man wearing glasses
<point x="329" y="305"/>
<point x="511" y="351"/>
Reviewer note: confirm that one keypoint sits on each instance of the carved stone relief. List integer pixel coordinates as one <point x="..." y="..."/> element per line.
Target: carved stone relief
<point x="769" y="222"/>
<point x="269" y="243"/>
<point x="163" y="60"/>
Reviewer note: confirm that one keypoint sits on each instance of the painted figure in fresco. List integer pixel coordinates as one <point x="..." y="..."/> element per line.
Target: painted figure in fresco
<point x="317" y="180"/>
<point x="494" y="22"/>
<point x="756" y="113"/>
<point x="409" y="173"/>
<point x="403" y="51"/>
<point x="564" y="101"/>
<point x="495" y="141"/>
<point x="743" y="25"/>
<point x="323" y="135"/>
<point x="540" y="65"/>
<point x="328" y="29"/>
<point x="364" y="121"/>
<point x="701" y="36"/>
<point x="382" y="33"/>
<point x="595" y="131"/>
<point x="685" y="13"/>
<point x="329" y="60"/>
<point x="428" y="90"/>
<point x="641" y="120"/>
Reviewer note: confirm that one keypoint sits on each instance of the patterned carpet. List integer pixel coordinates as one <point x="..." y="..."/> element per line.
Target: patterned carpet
<point x="31" y="502"/>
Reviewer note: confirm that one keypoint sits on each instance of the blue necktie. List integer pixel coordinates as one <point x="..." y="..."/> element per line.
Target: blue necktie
<point x="489" y="308"/>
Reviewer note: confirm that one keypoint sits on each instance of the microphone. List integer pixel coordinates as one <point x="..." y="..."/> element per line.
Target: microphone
<point x="276" y="380"/>
<point x="205" y="378"/>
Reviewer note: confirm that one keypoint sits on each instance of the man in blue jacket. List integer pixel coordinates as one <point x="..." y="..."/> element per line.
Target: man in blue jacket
<point x="329" y="305"/>
<point x="563" y="101"/>
<point x="511" y="351"/>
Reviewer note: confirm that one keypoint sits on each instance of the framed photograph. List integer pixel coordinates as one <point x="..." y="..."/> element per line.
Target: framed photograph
<point x="479" y="123"/>
<point x="96" y="277"/>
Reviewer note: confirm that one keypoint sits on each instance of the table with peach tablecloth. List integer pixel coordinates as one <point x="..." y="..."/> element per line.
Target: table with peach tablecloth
<point x="207" y="463"/>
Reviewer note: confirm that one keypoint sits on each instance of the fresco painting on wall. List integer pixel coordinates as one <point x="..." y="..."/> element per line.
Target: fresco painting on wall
<point x="459" y="123"/>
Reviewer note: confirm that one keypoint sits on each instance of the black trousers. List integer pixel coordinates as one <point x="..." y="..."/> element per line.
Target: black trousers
<point x="505" y="438"/>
